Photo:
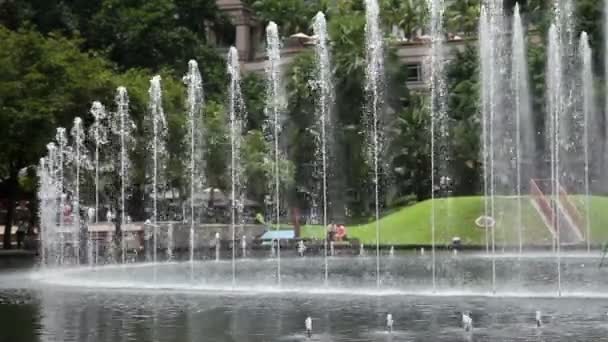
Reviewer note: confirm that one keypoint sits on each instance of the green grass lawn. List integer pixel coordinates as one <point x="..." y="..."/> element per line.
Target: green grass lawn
<point x="456" y="217"/>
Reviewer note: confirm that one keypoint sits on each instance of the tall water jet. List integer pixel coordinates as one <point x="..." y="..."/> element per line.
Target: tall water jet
<point x="194" y="140"/>
<point x="554" y="114"/>
<point x="589" y="124"/>
<point x="496" y="124"/>
<point x="274" y="110"/>
<point x="438" y="111"/>
<point x="237" y="117"/>
<point x="80" y="161"/>
<point x="99" y="134"/>
<point x="374" y="74"/>
<point x="485" y="66"/>
<point x="524" y="123"/>
<point x="159" y="133"/>
<point x="64" y="156"/>
<point x="324" y="102"/>
<point x="122" y="129"/>
<point x="605" y="130"/>
<point x="47" y="208"/>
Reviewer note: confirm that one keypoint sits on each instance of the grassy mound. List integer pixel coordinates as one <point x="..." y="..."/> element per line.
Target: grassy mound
<point x="456" y="217"/>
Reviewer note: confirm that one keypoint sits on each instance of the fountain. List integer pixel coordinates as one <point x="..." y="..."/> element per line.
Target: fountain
<point x="64" y="157"/>
<point x="80" y="161"/>
<point x="195" y="163"/>
<point x="244" y="246"/>
<point x="389" y="323"/>
<point x="511" y="158"/>
<point x="524" y="132"/>
<point x="323" y="85"/>
<point x="122" y="128"/>
<point x="590" y="132"/>
<point x="438" y="112"/>
<point x="237" y="118"/>
<point x="170" y="242"/>
<point x="159" y="133"/>
<point x="374" y="74"/>
<point x="218" y="246"/>
<point x="554" y="113"/>
<point x="274" y="110"/>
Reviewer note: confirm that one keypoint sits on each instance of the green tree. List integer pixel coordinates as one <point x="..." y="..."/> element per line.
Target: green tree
<point x="43" y="82"/>
<point x="292" y="16"/>
<point x="463" y="100"/>
<point x="462" y="16"/>
<point x="409" y="15"/>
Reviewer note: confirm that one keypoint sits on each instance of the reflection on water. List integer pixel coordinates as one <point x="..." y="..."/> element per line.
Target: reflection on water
<point x="76" y="305"/>
<point x="69" y="315"/>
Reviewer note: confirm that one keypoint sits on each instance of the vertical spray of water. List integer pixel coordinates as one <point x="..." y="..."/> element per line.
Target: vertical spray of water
<point x="80" y="161"/>
<point x="48" y="205"/>
<point x="159" y="133"/>
<point x="524" y="123"/>
<point x="324" y="104"/>
<point x="237" y="117"/>
<point x="588" y="122"/>
<point x="274" y="110"/>
<point x="99" y="134"/>
<point x="554" y="110"/>
<point x="194" y="139"/>
<point x="485" y="62"/>
<point x="63" y="158"/>
<point x="43" y="180"/>
<point x="374" y="74"/>
<point x="438" y="113"/>
<point x="605" y="130"/>
<point x="122" y="127"/>
<point x="496" y="123"/>
<point x="47" y="195"/>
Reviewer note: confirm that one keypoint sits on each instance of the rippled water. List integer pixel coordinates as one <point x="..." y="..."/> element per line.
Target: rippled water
<point x="131" y="304"/>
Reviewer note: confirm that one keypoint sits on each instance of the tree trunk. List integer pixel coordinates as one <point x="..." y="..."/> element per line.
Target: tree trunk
<point x="11" y="196"/>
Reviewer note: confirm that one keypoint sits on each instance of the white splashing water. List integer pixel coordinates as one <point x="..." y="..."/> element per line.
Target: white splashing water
<point x="590" y="132"/>
<point x="374" y="74"/>
<point x="122" y="128"/>
<point x="438" y="113"/>
<point x="323" y="116"/>
<point x="524" y="123"/>
<point x="80" y="161"/>
<point x="554" y="113"/>
<point x="237" y="118"/>
<point x="195" y="161"/>
<point x="274" y="110"/>
<point x="159" y="133"/>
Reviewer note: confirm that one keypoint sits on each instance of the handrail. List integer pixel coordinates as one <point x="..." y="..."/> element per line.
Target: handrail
<point x="543" y="205"/>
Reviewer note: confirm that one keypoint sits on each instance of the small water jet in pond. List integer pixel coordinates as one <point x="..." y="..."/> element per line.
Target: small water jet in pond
<point x="539" y="322"/>
<point x="301" y="248"/>
<point x="467" y="321"/>
<point x="170" y="242"/>
<point x="392" y="251"/>
<point x="217" y="241"/>
<point x="308" y="326"/>
<point x="244" y="246"/>
<point x="389" y="323"/>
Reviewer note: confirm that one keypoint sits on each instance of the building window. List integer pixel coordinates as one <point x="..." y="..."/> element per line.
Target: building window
<point x="414" y="72"/>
